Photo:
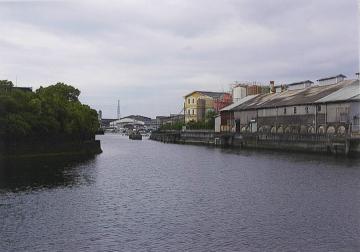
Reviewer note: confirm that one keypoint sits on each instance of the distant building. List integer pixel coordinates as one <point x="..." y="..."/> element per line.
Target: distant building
<point x="105" y="123"/>
<point x="172" y="119"/>
<point x="331" y="80"/>
<point x="239" y="91"/>
<point x="127" y="123"/>
<point x="11" y="88"/>
<point x="321" y="109"/>
<point x="139" y="118"/>
<point x="198" y="103"/>
<point x="25" y="89"/>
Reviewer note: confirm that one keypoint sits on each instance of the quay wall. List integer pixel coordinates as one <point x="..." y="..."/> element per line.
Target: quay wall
<point x="50" y="147"/>
<point x="316" y="143"/>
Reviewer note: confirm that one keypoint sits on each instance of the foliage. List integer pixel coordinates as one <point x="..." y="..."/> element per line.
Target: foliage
<point x="51" y="111"/>
<point x="208" y="123"/>
<point x="174" y="126"/>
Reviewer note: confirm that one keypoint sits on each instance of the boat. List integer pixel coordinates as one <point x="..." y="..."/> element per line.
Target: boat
<point x="135" y="136"/>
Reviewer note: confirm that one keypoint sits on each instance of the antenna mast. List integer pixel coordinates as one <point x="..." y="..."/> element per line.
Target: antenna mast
<point x="118" y="110"/>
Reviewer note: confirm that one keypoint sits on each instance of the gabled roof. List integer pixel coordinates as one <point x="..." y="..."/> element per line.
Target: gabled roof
<point x="332" y="77"/>
<point x="129" y="120"/>
<point x="213" y="95"/>
<point x="138" y="117"/>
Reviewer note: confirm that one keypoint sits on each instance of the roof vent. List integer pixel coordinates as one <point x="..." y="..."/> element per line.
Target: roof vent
<point x="331" y="80"/>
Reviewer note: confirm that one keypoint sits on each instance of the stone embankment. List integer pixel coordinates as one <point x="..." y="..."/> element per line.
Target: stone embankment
<point x="316" y="143"/>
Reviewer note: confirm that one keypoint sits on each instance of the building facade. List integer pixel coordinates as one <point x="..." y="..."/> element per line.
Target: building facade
<point x="326" y="109"/>
<point x="198" y="103"/>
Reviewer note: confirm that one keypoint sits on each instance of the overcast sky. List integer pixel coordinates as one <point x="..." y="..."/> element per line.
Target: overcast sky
<point x="149" y="54"/>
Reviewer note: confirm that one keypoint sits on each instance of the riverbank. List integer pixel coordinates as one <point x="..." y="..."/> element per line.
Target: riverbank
<point x="49" y="147"/>
<point x="314" y="143"/>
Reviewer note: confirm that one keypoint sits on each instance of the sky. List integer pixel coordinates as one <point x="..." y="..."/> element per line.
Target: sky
<point x="149" y="54"/>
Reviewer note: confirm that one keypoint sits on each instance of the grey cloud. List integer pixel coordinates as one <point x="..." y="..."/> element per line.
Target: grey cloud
<point x="150" y="53"/>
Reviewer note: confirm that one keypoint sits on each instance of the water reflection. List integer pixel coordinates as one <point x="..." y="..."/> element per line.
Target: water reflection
<point x="46" y="172"/>
<point x="351" y="161"/>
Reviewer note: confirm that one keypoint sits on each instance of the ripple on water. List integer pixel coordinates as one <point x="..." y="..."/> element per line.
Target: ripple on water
<point x="149" y="196"/>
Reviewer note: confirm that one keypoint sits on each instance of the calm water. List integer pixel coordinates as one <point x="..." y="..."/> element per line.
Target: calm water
<point x="149" y="196"/>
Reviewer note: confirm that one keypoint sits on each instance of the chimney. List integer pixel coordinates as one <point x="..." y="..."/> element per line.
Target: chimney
<point x="272" y="87"/>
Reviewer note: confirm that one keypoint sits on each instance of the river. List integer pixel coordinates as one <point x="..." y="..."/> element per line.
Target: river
<point x="150" y="196"/>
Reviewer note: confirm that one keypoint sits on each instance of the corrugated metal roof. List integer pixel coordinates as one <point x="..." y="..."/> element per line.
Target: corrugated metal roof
<point x="300" y="82"/>
<point x="349" y="92"/>
<point x="292" y="97"/>
<point x="239" y="102"/>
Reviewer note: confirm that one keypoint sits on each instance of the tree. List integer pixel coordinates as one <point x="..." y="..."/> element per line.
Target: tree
<point x="51" y="111"/>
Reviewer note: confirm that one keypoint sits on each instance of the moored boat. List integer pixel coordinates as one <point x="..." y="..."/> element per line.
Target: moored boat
<point x="135" y="136"/>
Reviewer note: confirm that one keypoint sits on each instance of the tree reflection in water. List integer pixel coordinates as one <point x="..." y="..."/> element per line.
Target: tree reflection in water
<point x="25" y="174"/>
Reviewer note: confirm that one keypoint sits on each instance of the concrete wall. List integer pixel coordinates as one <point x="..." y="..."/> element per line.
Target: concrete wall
<point x="285" y="142"/>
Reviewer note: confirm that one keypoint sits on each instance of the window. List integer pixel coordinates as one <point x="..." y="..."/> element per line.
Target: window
<point x="318" y="108"/>
<point x="294" y="110"/>
<point x="307" y="110"/>
<point x="284" y="111"/>
<point x="193" y="112"/>
<point x="193" y="101"/>
<point x="188" y="100"/>
<point x="188" y="111"/>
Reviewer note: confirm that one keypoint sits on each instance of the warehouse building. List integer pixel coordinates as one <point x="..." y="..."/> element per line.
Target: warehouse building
<point x="331" y="107"/>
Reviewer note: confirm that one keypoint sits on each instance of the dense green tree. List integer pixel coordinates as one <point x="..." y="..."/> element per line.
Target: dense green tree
<point x="208" y="123"/>
<point x="49" y="111"/>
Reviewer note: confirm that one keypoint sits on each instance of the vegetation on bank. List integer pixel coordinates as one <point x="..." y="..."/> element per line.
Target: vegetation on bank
<point x="52" y="111"/>
<point x="208" y="123"/>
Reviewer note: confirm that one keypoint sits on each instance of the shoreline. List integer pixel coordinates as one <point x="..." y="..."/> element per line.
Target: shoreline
<point x="324" y="144"/>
